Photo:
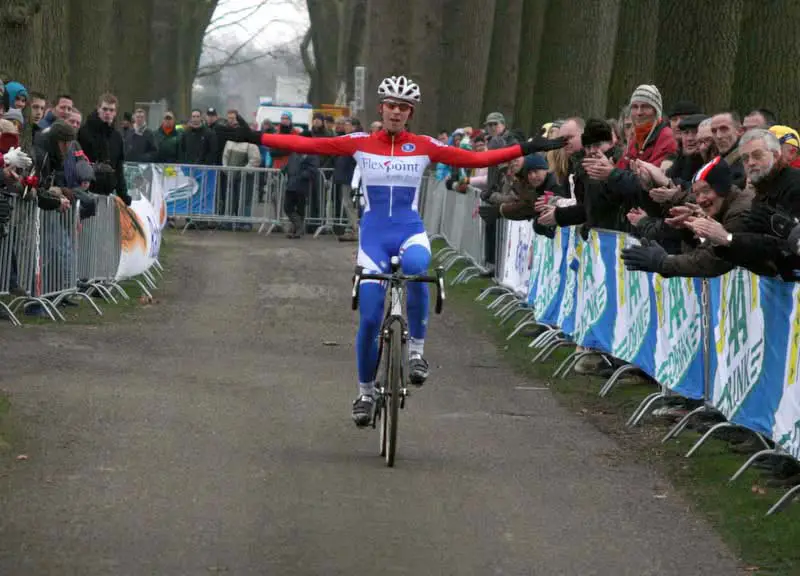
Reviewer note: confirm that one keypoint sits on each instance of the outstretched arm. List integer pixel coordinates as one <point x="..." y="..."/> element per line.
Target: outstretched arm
<point x="468" y="159"/>
<point x="339" y="146"/>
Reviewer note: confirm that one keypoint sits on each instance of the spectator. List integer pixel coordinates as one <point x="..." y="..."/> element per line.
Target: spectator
<point x="558" y="161"/>
<point x="777" y="188"/>
<point x="241" y="155"/>
<point x="679" y="111"/>
<point x="330" y="125"/>
<point x="167" y="140"/>
<point x="62" y="110"/>
<point x="75" y="119"/>
<point x="705" y="141"/>
<point x="16" y="96"/>
<point x="339" y="129"/>
<point x="318" y="128"/>
<point x="15" y="117"/>
<point x="790" y="144"/>
<point x="140" y="144"/>
<point x="627" y="126"/>
<point x="197" y="142"/>
<point x="2" y="96"/>
<point x="281" y="157"/>
<point x="105" y="148"/>
<point x="680" y="175"/>
<point x="717" y="199"/>
<point x="726" y="128"/>
<point x="759" y="118"/>
<point x="477" y="177"/>
<point x="38" y="107"/>
<point x="343" y="170"/>
<point x="499" y="137"/>
<point x="376" y="126"/>
<point x="534" y="182"/>
<point x="300" y="171"/>
<point x="127" y="123"/>
<point x="217" y="126"/>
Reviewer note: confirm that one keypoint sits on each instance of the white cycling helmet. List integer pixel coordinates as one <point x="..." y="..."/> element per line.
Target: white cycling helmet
<point x="399" y="88"/>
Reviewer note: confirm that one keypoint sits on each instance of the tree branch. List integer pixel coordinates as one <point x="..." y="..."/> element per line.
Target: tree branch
<point x="308" y="64"/>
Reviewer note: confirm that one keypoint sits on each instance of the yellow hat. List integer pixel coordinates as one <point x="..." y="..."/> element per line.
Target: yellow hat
<point x="786" y="135"/>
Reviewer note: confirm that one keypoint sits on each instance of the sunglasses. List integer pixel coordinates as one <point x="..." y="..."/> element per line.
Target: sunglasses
<point x="402" y="106"/>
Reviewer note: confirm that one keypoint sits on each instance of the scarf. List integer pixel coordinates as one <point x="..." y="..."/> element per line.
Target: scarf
<point x="641" y="132"/>
<point x="167" y="130"/>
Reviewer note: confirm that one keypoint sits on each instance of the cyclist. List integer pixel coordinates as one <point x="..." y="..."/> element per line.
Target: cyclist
<point x="392" y="161"/>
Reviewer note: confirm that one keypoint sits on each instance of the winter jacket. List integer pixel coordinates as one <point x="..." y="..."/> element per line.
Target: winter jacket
<point x="197" y="146"/>
<point x="343" y="169"/>
<point x="62" y="172"/>
<point x="106" y="150"/>
<point x="495" y="176"/>
<point x="734" y="160"/>
<point x="523" y="207"/>
<point x="684" y="168"/>
<point x="623" y="183"/>
<point x="241" y="154"/>
<point x="167" y="146"/>
<point x="300" y="171"/>
<point x="140" y="145"/>
<point x="761" y="253"/>
<point x="219" y="128"/>
<point x="699" y="260"/>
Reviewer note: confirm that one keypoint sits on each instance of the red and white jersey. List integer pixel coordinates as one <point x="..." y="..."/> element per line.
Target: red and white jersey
<point x="391" y="166"/>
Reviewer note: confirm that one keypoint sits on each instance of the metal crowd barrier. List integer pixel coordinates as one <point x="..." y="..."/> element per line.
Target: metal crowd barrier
<point x="49" y="258"/>
<point x="99" y="251"/>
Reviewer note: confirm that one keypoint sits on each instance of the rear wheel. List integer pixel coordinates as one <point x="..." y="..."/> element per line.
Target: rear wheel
<point x="394" y="386"/>
<point x="381" y="398"/>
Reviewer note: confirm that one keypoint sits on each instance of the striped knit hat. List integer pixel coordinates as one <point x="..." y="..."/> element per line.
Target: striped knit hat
<point x="717" y="174"/>
<point x="648" y="94"/>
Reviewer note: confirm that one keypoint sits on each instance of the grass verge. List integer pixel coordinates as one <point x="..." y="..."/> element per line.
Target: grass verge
<point x="766" y="546"/>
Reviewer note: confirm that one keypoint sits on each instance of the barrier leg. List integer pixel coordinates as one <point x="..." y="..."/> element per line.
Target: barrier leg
<point x="644" y="407"/>
<point x="121" y="291"/>
<point x="522" y="308"/>
<point x="144" y="289"/>
<point x="719" y="426"/>
<point x="489" y="291"/>
<point x="545" y="338"/>
<point x="682" y="424"/>
<point x="547" y="352"/>
<point x="500" y="299"/>
<point x="752" y="460"/>
<point x="11" y="316"/>
<point x="502" y="310"/>
<point x="784" y="501"/>
<point x="570" y="361"/>
<point x="614" y="378"/>
<point x="149" y="280"/>
<point x="89" y="299"/>
<point x="527" y="320"/>
<point x="468" y="274"/>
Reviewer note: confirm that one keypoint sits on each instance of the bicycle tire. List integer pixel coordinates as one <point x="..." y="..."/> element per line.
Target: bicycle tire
<point x="380" y="406"/>
<point x="392" y="411"/>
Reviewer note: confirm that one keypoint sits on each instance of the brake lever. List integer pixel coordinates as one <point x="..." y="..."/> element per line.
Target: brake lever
<point x="356" y="284"/>
<point x="440" y="294"/>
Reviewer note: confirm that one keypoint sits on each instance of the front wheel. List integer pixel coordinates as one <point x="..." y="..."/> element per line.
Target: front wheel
<point x="394" y="386"/>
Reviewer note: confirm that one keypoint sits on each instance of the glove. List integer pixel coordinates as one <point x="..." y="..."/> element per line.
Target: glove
<point x="765" y="219"/>
<point x="243" y="132"/>
<point x="16" y="158"/>
<point x="648" y="257"/>
<point x="539" y="144"/>
<point x="794" y="239"/>
<point x="489" y="212"/>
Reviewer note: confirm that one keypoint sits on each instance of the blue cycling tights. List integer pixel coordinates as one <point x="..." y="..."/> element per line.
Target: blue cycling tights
<point x="377" y="245"/>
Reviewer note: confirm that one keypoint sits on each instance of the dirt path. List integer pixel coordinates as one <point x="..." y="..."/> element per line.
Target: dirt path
<point x="212" y="435"/>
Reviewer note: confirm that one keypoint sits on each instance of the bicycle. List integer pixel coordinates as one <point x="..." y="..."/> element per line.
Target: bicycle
<point x="390" y="387"/>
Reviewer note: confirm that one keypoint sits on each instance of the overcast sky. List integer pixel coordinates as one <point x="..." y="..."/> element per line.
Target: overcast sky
<point x="284" y="20"/>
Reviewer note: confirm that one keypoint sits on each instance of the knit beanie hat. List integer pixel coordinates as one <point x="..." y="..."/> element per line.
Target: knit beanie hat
<point x="534" y="162"/>
<point x="15" y="89"/>
<point x="62" y="132"/>
<point x="14" y="114"/>
<point x="595" y="132"/>
<point x="648" y="94"/>
<point x="717" y="174"/>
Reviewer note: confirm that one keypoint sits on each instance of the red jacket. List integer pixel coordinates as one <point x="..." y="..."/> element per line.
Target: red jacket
<point x="659" y="146"/>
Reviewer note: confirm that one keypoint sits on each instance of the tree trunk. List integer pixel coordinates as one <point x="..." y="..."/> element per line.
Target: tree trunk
<point x="425" y="66"/>
<point x="767" y="74"/>
<point x="466" y="36"/>
<point x="576" y="60"/>
<point x="324" y="18"/>
<point x="696" y="51"/>
<point x="530" y="47"/>
<point x="91" y="36"/>
<point x="635" y="54"/>
<point x="163" y="48"/>
<point x="500" y="90"/>
<point x="51" y="58"/>
<point x="357" y="9"/>
<point x="131" y="55"/>
<point x="16" y="39"/>
<point x="388" y="49"/>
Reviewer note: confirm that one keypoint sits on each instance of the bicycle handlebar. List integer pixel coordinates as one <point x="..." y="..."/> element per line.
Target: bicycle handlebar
<point x="398" y="277"/>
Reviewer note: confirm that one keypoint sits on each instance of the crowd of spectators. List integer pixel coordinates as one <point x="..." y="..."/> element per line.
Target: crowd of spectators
<point x="705" y="191"/>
